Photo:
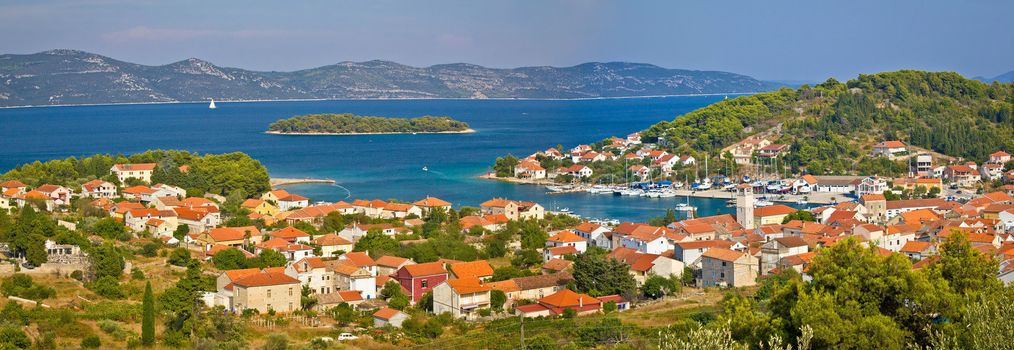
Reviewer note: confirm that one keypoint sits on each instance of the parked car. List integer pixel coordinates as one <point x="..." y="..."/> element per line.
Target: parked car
<point x="347" y="336"/>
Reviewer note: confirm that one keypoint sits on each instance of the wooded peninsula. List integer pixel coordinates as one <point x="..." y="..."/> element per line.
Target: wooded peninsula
<point x="350" y="124"/>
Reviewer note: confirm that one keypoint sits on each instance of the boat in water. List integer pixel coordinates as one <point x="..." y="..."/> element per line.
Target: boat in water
<point x="762" y="202"/>
<point x="631" y="192"/>
<point x="561" y="188"/>
<point x="212" y="105"/>
<point x="425" y="168"/>
<point x="667" y="194"/>
<point x="684" y="207"/>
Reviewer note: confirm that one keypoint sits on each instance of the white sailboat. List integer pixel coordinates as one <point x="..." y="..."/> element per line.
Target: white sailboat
<point x="212" y="105"/>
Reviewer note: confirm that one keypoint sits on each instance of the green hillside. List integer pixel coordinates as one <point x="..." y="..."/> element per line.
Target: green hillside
<point x="832" y="126"/>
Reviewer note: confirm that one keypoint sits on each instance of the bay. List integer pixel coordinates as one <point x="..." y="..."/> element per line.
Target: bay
<point x="366" y="166"/>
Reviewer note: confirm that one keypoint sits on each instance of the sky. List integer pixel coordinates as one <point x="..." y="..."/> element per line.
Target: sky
<point x="772" y="40"/>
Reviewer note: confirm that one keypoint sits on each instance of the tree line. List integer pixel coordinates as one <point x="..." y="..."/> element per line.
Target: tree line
<point x="349" y="123"/>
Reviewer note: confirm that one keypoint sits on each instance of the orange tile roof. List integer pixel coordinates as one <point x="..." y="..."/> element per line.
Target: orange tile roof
<point x="139" y="189"/>
<point x="316" y="211"/>
<point x="773" y="210"/>
<point x="472" y="269"/>
<point x="555" y="251"/>
<point x="507" y="286"/>
<point x="391" y="261"/>
<point x="343" y="267"/>
<point x="134" y="167"/>
<point x="274" y="243"/>
<point x="568" y="298"/>
<point x="915" y="246"/>
<point x="557" y="264"/>
<point x="723" y="254"/>
<point x="874" y="197"/>
<point x="240" y="273"/>
<point x="910" y="203"/>
<point x="351" y="295"/>
<point x="13" y="184"/>
<point x="919" y="216"/>
<point x="360" y="259"/>
<point x="467" y="285"/>
<point x="716" y="243"/>
<point x="289" y="232"/>
<point x="890" y="144"/>
<point x="385" y="313"/>
<point x="252" y="203"/>
<point x="265" y="279"/>
<point x="312" y="262"/>
<point x="331" y="239"/>
<point x="565" y="236"/>
<point x="232" y="233"/>
<point x="430" y="202"/>
<point x="425" y="269"/>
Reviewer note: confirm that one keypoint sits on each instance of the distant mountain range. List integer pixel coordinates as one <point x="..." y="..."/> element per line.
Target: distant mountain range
<point x="77" y="77"/>
<point x="1003" y="78"/>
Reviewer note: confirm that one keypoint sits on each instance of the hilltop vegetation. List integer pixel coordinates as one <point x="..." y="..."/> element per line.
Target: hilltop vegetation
<point x="211" y="173"/>
<point x="832" y="126"/>
<point x="353" y="124"/>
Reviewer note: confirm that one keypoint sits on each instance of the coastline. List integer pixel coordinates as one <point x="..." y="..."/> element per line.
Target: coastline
<point x="280" y="181"/>
<point x="819" y="198"/>
<point x="466" y="131"/>
<point x="380" y="99"/>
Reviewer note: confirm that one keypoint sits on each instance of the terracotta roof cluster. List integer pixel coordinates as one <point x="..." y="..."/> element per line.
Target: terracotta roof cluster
<point x="317" y="211"/>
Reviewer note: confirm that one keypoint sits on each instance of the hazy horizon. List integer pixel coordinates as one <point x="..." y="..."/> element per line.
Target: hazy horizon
<point x="783" y="41"/>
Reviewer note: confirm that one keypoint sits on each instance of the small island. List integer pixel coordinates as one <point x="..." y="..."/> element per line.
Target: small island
<point x="350" y="124"/>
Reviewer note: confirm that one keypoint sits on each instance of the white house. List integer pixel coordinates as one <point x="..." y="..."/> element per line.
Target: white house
<point x="567" y="238"/>
<point x="98" y="189"/>
<point x="141" y="171"/>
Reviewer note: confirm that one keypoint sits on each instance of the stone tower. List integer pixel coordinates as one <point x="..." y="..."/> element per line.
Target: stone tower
<point x="744" y="206"/>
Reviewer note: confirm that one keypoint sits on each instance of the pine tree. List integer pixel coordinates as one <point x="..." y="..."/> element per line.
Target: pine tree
<point x="148" y="317"/>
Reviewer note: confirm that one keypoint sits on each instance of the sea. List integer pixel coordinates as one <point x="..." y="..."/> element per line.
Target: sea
<point x="364" y="166"/>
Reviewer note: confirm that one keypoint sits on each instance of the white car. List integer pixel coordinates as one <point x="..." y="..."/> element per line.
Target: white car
<point x="346" y="336"/>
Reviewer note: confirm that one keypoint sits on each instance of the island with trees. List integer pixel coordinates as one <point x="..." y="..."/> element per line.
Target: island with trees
<point x="350" y="124"/>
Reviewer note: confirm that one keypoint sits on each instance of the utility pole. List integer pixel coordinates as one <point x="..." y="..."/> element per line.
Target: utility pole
<point x="522" y="317"/>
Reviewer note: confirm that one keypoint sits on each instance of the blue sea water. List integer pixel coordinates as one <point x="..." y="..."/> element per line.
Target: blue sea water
<point x="368" y="166"/>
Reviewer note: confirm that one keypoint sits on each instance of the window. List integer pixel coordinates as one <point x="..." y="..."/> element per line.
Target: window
<point x="425" y="283"/>
<point x="723" y="264"/>
<point x="269" y="295"/>
<point x="290" y="291"/>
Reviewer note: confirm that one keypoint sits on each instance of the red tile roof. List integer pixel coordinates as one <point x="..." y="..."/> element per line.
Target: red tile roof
<point x="134" y="167"/>
<point x="425" y="269"/>
<point x="385" y="313"/>
<point x="565" y="236"/>
<point x="723" y="254"/>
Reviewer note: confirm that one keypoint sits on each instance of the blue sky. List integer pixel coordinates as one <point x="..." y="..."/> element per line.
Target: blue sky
<point x="786" y="40"/>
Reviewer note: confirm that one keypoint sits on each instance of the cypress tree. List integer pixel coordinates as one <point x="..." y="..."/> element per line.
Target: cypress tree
<point x="148" y="317"/>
